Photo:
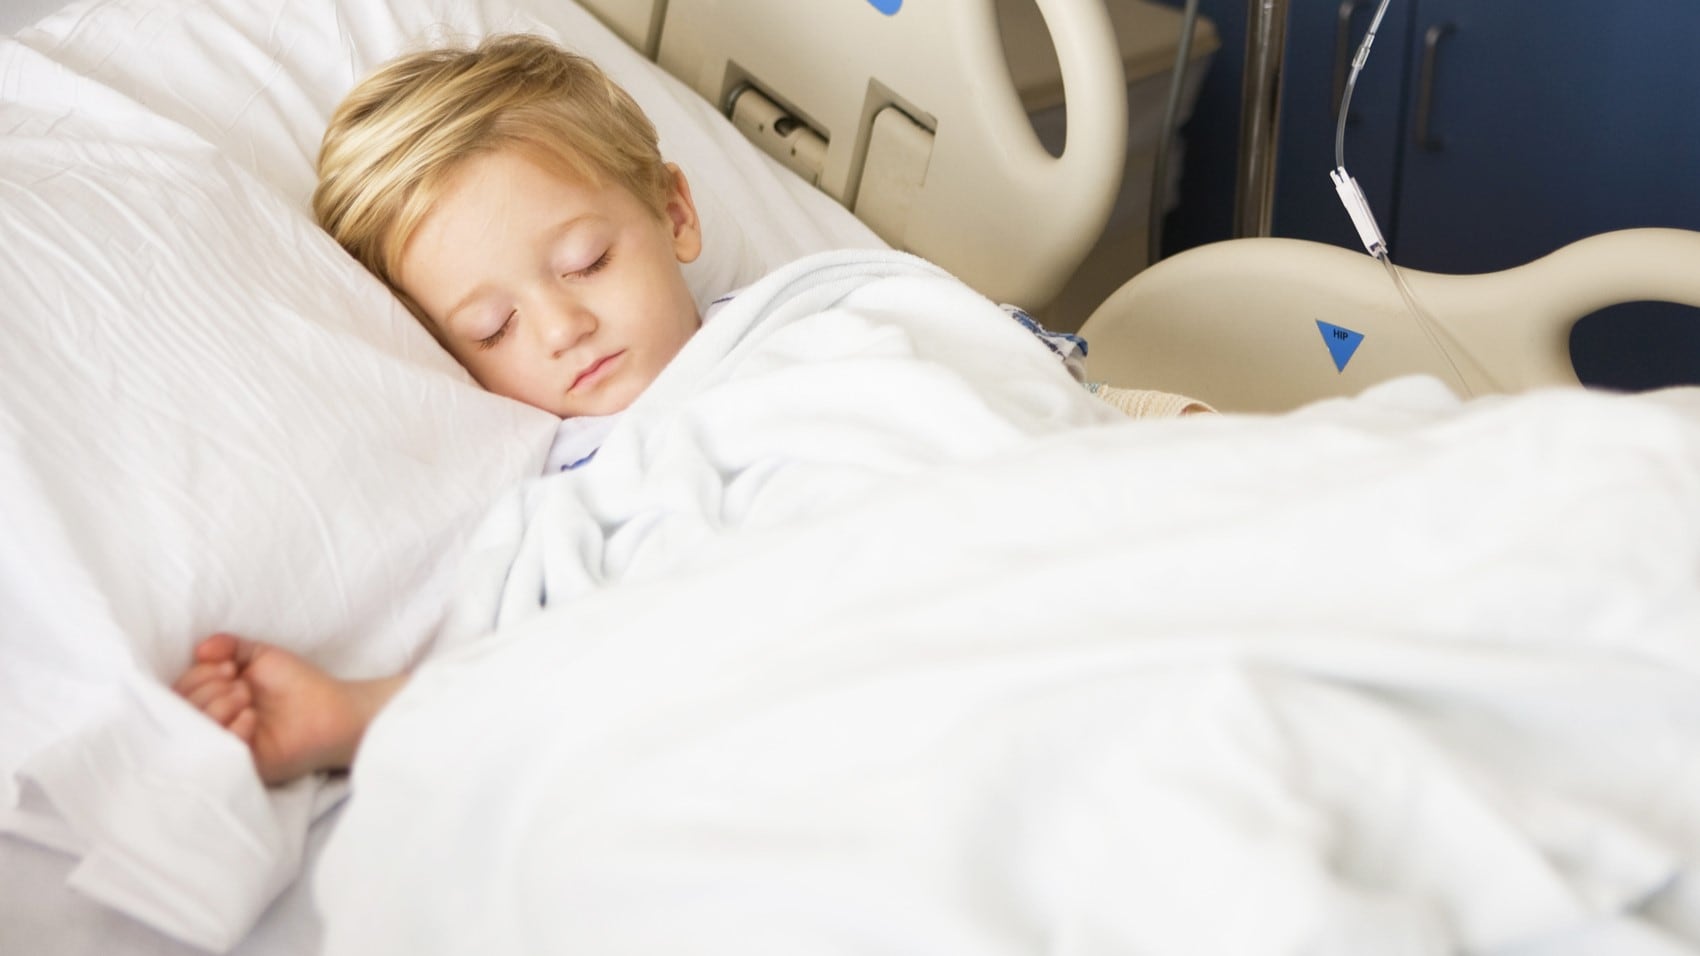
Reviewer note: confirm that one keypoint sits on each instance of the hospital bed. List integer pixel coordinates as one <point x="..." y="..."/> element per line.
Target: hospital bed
<point x="1388" y="669"/>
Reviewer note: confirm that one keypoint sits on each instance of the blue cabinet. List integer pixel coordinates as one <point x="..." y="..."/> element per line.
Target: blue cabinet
<point x="1547" y="120"/>
<point x="1487" y="133"/>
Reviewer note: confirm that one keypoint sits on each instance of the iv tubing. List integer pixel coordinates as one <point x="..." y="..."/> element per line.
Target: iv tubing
<point x="1358" y="62"/>
<point x="1430" y="328"/>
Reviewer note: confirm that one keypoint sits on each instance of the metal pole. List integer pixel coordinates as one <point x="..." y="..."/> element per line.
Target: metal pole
<point x="1260" y="117"/>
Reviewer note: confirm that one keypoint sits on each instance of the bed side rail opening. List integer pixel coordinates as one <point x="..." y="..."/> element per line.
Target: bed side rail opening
<point x="908" y="117"/>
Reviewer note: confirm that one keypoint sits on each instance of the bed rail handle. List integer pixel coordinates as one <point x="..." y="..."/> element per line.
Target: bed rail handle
<point x="994" y="207"/>
<point x="1235" y="323"/>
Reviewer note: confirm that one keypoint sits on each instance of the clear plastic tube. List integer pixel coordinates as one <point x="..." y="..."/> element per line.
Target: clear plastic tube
<point x="1449" y="348"/>
<point x="1358" y="62"/>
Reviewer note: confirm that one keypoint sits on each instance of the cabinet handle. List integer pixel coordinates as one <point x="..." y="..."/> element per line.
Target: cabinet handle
<point x="1342" y="51"/>
<point x="1425" y="87"/>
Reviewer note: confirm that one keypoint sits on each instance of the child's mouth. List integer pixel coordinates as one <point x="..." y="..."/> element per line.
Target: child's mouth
<point x="595" y="371"/>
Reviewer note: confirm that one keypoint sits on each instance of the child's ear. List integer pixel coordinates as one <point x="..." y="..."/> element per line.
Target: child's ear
<point x="682" y="216"/>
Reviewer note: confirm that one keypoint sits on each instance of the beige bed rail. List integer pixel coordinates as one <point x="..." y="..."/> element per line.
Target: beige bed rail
<point x="1270" y="324"/>
<point x="912" y="121"/>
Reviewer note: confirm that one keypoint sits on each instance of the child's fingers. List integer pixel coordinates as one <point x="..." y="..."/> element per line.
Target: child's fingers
<point x="216" y="647"/>
<point x="226" y="707"/>
<point x="243" y="724"/>
<point x="204" y="695"/>
<point x="223" y="647"/>
<point x="246" y="651"/>
<point x="200" y="675"/>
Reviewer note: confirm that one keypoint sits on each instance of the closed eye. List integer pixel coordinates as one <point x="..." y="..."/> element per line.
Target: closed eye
<point x="597" y="266"/>
<point x="490" y="341"/>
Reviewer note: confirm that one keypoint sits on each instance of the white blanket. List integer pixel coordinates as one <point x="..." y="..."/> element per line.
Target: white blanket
<point x="868" y="632"/>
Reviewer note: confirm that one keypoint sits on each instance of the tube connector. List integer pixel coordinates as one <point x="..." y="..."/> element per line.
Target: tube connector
<point x="1352" y="197"/>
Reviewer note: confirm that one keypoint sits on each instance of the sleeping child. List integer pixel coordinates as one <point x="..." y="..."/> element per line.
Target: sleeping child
<point x="515" y="199"/>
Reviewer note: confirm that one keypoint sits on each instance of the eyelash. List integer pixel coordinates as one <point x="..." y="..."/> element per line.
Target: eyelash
<point x="597" y="266"/>
<point x="490" y="341"/>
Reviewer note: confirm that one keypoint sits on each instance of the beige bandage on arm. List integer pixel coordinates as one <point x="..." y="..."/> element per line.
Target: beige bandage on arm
<point x="1149" y="403"/>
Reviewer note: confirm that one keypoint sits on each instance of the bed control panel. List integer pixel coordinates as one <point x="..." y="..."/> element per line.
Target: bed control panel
<point x="896" y="169"/>
<point x="780" y="134"/>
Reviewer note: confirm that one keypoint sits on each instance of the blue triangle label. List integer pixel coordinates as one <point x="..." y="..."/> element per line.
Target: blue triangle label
<point x="1342" y="343"/>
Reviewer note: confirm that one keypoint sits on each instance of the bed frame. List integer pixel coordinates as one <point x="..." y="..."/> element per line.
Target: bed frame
<point x="1270" y="324"/>
<point x="910" y="137"/>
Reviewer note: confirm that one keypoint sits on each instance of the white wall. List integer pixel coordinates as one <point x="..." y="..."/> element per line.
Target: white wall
<point x="16" y="14"/>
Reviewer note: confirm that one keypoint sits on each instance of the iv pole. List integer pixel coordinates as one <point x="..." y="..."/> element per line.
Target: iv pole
<point x="1260" y="117"/>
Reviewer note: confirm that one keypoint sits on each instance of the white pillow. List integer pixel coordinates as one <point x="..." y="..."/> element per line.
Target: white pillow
<point x="211" y="418"/>
<point x="259" y="80"/>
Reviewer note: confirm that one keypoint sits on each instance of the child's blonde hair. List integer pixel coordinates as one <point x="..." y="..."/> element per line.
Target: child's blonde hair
<point x="401" y="133"/>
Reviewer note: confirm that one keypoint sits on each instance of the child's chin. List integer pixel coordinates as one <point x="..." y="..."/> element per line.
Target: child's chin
<point x="600" y="408"/>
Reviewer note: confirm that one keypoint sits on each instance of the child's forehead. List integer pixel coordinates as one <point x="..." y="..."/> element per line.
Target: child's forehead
<point x="561" y="162"/>
<point x="517" y="175"/>
<point x="523" y="180"/>
<point x="509" y="187"/>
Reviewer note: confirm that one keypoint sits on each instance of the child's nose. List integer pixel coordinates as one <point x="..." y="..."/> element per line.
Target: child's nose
<point x="562" y="324"/>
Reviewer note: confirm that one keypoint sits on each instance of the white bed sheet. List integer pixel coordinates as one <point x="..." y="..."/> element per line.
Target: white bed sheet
<point x="40" y="916"/>
<point x="868" y="631"/>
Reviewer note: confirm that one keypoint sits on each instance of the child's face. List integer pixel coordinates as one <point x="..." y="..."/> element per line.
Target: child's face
<point x="550" y="291"/>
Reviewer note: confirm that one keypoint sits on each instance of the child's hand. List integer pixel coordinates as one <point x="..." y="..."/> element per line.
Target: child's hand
<point x="294" y="717"/>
